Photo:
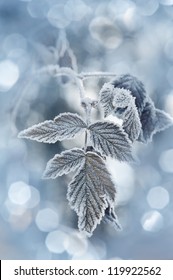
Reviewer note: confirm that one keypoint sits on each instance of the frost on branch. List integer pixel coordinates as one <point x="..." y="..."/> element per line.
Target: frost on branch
<point x="91" y="192"/>
<point x="110" y="140"/>
<point x="125" y="108"/>
<point x="64" y="163"/>
<point x="64" y="126"/>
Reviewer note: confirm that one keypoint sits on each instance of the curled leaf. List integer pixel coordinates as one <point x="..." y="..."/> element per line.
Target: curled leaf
<point x="128" y="100"/>
<point x="135" y="86"/>
<point x="125" y="108"/>
<point x="147" y="118"/>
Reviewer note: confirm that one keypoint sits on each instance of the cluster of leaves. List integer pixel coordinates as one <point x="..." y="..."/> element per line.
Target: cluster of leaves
<point x="91" y="193"/>
<point x="126" y="98"/>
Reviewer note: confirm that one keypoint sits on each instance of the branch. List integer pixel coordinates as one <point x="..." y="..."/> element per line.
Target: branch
<point x="61" y="71"/>
<point x="87" y="75"/>
<point x="57" y="71"/>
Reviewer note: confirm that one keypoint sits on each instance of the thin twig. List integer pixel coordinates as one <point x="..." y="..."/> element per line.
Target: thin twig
<point x="56" y="71"/>
<point x="84" y="75"/>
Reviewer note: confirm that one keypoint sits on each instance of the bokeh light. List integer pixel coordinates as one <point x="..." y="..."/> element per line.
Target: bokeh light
<point x="56" y="16"/>
<point x="166" y="2"/>
<point x="9" y="74"/>
<point x="152" y="221"/>
<point x="75" y="244"/>
<point x="166" y="161"/>
<point x="105" y="32"/>
<point x="38" y="9"/>
<point x="76" y="10"/>
<point x="147" y="8"/>
<point x="47" y="219"/>
<point x="19" y="193"/>
<point x="55" y="241"/>
<point x="158" y="198"/>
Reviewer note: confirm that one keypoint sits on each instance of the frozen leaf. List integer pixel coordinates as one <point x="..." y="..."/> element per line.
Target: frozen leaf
<point x="153" y="120"/>
<point x="125" y="108"/>
<point x="46" y="132"/>
<point x="90" y="192"/>
<point x="141" y="120"/>
<point x="135" y="86"/>
<point x="111" y="218"/>
<point x="64" y="163"/>
<point x="132" y="124"/>
<point x="64" y="126"/>
<point x="163" y="120"/>
<point x="69" y="125"/>
<point x="106" y="98"/>
<point x="110" y="139"/>
<point x="147" y="118"/>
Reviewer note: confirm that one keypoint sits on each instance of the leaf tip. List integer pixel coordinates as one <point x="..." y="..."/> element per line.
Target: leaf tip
<point x="45" y="176"/>
<point x="21" y="134"/>
<point x="163" y="120"/>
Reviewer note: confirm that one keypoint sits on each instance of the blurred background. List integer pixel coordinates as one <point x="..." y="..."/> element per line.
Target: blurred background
<point x="124" y="36"/>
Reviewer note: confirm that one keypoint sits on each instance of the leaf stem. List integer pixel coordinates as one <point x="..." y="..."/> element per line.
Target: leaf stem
<point x="86" y="140"/>
<point x="84" y="75"/>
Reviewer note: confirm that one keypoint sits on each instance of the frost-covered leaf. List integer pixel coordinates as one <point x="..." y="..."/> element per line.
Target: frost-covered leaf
<point x="111" y="218"/>
<point x="110" y="139"/>
<point x="132" y="124"/>
<point x="141" y="120"/>
<point x="90" y="192"/>
<point x="135" y="86"/>
<point x="106" y="98"/>
<point x="163" y="120"/>
<point x="64" y="163"/>
<point x="69" y="125"/>
<point x="46" y="132"/>
<point x="153" y="120"/>
<point x="125" y="108"/>
<point x="147" y="118"/>
<point x="64" y="126"/>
